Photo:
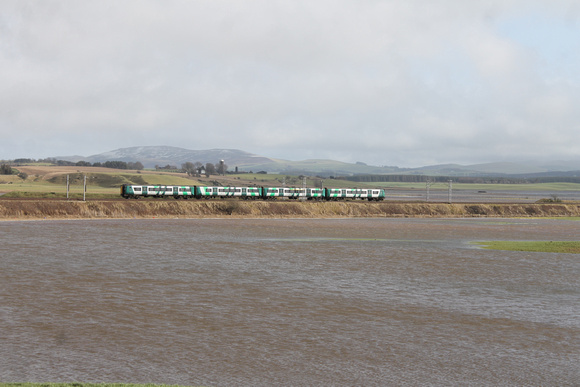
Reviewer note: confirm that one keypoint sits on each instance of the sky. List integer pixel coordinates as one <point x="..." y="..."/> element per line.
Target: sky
<point x="401" y="83"/>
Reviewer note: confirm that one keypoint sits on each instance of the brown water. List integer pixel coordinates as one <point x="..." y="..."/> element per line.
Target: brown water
<point x="288" y="302"/>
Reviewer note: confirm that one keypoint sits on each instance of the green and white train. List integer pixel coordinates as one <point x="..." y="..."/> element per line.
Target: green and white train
<point x="250" y="193"/>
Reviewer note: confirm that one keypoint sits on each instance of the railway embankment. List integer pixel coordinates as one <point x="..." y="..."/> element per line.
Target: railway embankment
<point x="102" y="209"/>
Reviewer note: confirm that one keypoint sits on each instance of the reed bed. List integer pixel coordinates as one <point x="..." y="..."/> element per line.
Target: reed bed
<point x="98" y="209"/>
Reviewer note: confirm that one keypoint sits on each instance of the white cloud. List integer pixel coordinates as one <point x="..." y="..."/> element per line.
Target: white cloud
<point x="384" y="82"/>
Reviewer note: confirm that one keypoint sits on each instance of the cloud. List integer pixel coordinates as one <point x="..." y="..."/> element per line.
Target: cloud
<point x="383" y="82"/>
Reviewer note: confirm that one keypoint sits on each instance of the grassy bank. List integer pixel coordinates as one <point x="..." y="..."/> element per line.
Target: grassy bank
<point x="95" y="209"/>
<point x="534" y="246"/>
<point x="76" y="384"/>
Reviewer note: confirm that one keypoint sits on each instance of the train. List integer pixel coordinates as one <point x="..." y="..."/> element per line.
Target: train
<point x="129" y="191"/>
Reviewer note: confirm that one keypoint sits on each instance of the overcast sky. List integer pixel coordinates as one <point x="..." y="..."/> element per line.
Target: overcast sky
<point x="394" y="82"/>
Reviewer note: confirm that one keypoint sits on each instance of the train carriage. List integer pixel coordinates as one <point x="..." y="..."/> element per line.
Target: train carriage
<point x="199" y="192"/>
<point x="293" y="193"/>
<point x="157" y="191"/>
<point x="269" y="193"/>
<point x="224" y="192"/>
<point x="131" y="191"/>
<point x="349" y="193"/>
<point x="184" y="192"/>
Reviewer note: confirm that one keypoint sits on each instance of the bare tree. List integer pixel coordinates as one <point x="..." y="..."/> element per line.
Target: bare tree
<point x="5" y="169"/>
<point x="209" y="169"/>
<point x="136" y="165"/>
<point x="189" y="168"/>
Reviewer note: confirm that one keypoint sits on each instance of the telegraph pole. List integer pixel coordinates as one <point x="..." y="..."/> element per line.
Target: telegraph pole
<point x="450" y="190"/>
<point x="428" y="184"/>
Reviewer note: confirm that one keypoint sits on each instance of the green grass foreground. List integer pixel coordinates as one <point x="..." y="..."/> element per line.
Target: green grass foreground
<point x="569" y="247"/>
<point x="77" y="384"/>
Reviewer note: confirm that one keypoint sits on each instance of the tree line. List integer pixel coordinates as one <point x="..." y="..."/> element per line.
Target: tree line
<point x="192" y="169"/>
<point x="198" y="169"/>
<point x="107" y="164"/>
<point x="6" y="169"/>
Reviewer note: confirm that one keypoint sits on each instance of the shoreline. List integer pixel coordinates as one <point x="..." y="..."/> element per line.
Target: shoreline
<point x="166" y="209"/>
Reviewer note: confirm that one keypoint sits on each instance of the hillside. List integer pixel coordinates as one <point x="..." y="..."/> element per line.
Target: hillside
<point x="151" y="156"/>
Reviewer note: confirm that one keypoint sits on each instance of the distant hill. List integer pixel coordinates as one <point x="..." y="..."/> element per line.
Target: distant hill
<point x="150" y="156"/>
<point x="528" y="169"/>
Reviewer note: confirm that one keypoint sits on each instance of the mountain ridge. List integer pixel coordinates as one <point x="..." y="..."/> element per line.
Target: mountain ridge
<point x="152" y="156"/>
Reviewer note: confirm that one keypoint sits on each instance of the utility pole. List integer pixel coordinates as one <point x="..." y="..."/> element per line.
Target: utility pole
<point x="428" y="184"/>
<point x="450" y="190"/>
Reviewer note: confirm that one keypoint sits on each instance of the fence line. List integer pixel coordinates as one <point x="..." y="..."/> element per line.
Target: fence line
<point x="473" y="196"/>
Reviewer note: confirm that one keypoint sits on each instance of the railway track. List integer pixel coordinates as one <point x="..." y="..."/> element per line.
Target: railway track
<point x="392" y="196"/>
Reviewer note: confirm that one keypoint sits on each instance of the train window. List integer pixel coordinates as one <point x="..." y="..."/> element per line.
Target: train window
<point x="136" y="188"/>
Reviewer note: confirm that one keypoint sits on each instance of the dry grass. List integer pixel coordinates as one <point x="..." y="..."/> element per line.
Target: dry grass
<point x="55" y="209"/>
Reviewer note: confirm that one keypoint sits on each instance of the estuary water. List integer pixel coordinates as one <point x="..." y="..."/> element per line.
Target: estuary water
<point x="229" y="302"/>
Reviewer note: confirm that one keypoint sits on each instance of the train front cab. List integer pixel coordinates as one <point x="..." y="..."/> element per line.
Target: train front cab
<point x="128" y="191"/>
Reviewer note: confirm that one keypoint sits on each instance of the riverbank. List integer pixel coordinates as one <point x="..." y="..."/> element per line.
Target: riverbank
<point x="100" y="209"/>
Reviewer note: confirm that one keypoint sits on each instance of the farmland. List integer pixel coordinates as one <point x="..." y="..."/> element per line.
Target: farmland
<point x="51" y="181"/>
<point x="43" y="194"/>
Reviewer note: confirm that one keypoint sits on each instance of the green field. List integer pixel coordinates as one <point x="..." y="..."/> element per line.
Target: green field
<point x="50" y="181"/>
<point x="487" y="187"/>
<point x="77" y="384"/>
<point x="533" y="246"/>
<point x="101" y="184"/>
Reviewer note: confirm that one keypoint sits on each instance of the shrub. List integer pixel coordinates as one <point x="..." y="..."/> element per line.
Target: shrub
<point x="6" y="169"/>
